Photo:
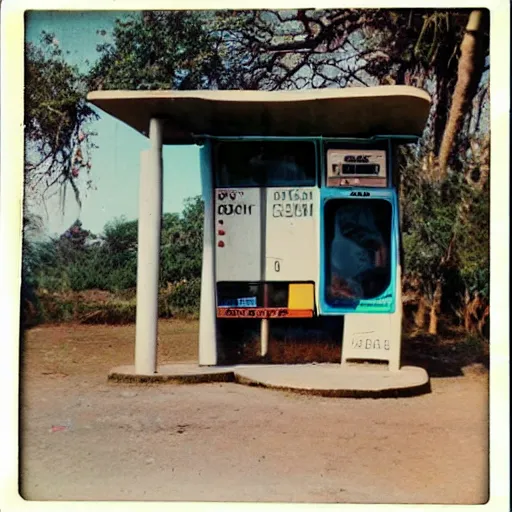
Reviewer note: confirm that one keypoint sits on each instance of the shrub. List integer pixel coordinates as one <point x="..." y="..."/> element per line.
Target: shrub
<point x="181" y="299"/>
<point x="113" y="313"/>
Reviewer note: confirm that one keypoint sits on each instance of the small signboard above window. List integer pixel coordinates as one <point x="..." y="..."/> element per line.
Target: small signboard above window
<point x="356" y="168"/>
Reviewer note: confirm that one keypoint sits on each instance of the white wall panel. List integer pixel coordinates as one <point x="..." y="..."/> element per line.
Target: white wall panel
<point x="238" y="215"/>
<point x="288" y="245"/>
<point x="291" y="243"/>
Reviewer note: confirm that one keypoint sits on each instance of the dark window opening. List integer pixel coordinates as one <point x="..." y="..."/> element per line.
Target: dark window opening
<point x="355" y="169"/>
<point x="265" y="164"/>
<point x="252" y="295"/>
<point x="362" y="169"/>
<point x="358" y="242"/>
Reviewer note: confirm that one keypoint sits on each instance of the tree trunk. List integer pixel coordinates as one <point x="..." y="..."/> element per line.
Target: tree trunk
<point x="471" y="64"/>
<point x="467" y="312"/>
<point x="420" y="317"/>
<point x="476" y="314"/>
<point x="483" y="323"/>
<point x="435" y="309"/>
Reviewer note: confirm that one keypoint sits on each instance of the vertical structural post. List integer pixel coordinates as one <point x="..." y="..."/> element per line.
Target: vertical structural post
<point x="265" y="334"/>
<point x="148" y="253"/>
<point x="264" y="326"/>
<point x="396" y="325"/>
<point x="207" y="313"/>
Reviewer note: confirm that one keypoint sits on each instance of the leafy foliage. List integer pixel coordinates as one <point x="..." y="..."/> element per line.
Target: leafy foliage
<point x="474" y="243"/>
<point x="139" y="60"/>
<point x="428" y="232"/>
<point x="446" y="229"/>
<point x="57" y="140"/>
<point x="78" y="261"/>
<point x="182" y="240"/>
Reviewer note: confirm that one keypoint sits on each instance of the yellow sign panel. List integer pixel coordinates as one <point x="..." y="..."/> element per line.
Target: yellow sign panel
<point x="301" y="296"/>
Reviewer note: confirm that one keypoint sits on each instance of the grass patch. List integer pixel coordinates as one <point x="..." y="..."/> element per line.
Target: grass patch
<point x="108" y="308"/>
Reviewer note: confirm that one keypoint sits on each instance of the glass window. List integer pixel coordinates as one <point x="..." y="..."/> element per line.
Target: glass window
<point x="358" y="240"/>
<point x="265" y="164"/>
<point x="246" y="295"/>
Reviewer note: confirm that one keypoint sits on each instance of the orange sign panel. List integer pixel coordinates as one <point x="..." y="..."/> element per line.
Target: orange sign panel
<point x="264" y="313"/>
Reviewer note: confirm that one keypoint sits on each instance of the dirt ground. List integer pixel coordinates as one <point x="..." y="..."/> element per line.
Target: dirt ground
<point x="85" y="439"/>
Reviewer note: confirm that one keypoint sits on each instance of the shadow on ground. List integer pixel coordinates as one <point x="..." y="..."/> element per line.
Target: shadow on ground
<point x="317" y="340"/>
<point x="442" y="357"/>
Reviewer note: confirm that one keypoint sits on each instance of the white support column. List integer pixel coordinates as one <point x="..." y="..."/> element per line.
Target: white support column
<point x="208" y="313"/>
<point x="265" y="322"/>
<point x="148" y="254"/>
<point x="375" y="336"/>
<point x="265" y="334"/>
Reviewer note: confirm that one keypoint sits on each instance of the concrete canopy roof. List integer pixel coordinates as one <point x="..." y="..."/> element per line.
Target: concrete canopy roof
<point x="349" y="112"/>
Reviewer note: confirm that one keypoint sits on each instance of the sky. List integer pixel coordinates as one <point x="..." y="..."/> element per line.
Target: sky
<point x="115" y="163"/>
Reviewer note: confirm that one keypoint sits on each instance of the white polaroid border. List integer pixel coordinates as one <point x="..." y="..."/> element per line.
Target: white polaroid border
<point x="11" y="200"/>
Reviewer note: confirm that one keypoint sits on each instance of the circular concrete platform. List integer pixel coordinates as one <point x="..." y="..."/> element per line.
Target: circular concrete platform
<point x="358" y="381"/>
<point x="179" y="373"/>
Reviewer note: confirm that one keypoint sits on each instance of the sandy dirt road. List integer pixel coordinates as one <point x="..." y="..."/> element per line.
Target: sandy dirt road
<point x="227" y="442"/>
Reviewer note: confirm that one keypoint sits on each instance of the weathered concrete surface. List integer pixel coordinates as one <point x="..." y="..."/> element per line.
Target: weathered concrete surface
<point x="179" y="373"/>
<point x="337" y="380"/>
<point x="361" y="381"/>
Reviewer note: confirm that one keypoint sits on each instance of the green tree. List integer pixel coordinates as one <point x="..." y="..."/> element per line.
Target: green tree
<point x="472" y="239"/>
<point x="120" y="236"/>
<point x="120" y="250"/>
<point x="306" y="48"/>
<point x="30" y="264"/>
<point x="159" y="50"/>
<point x="58" y="140"/>
<point x="182" y="242"/>
<point x="430" y="217"/>
<point x="445" y="224"/>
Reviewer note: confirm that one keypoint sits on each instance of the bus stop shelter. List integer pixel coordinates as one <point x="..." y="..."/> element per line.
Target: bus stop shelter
<point x="183" y="117"/>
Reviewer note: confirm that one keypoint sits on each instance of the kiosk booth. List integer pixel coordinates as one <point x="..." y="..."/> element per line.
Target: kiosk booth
<point x="301" y="208"/>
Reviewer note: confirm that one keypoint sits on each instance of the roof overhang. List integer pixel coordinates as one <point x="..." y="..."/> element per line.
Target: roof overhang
<point x="349" y="112"/>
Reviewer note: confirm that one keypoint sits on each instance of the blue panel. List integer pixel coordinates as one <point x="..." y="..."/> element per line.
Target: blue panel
<point x="244" y="302"/>
<point x="206" y="171"/>
<point x="384" y="299"/>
